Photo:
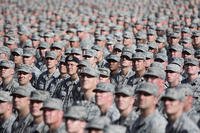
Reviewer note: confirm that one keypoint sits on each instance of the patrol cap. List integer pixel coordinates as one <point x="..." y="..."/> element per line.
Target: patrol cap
<point x="186" y="30"/>
<point x="147" y="87"/>
<point x="186" y="40"/>
<point x="126" y="90"/>
<point x="77" y="51"/>
<point x="188" y="50"/>
<point x="74" y="39"/>
<point x="113" y="57"/>
<point x="5" y="50"/>
<point x="104" y="71"/>
<point x="58" y="45"/>
<point x="105" y="87"/>
<point x="174" y="35"/>
<point x="196" y="34"/>
<point x="100" y="38"/>
<point x="98" y="123"/>
<point x="26" y="92"/>
<point x="7" y="64"/>
<point x="80" y="29"/>
<point x="173" y="68"/>
<point x="149" y="55"/>
<point x="157" y="64"/>
<point x="118" y="47"/>
<point x="43" y="45"/>
<point x="49" y="34"/>
<point x="76" y="112"/>
<point x="90" y="53"/>
<point x="114" y="129"/>
<point x="174" y="93"/>
<point x="39" y="95"/>
<point x="191" y="61"/>
<point x="10" y="42"/>
<point x="51" y="54"/>
<point x="27" y="44"/>
<point x="97" y="48"/>
<point x="72" y="58"/>
<point x="152" y="45"/>
<point x="161" y="57"/>
<point x="89" y="71"/>
<point x="18" y="51"/>
<point x="25" y="68"/>
<point x="155" y="71"/>
<point x="127" y="34"/>
<point x="71" y="30"/>
<point x="53" y="103"/>
<point x="151" y="32"/>
<point x="142" y="48"/>
<point x="139" y="56"/>
<point x="127" y="54"/>
<point x="160" y="39"/>
<point x="176" y="47"/>
<point x="35" y="37"/>
<point x="5" y="96"/>
<point x="29" y="52"/>
<point x="141" y="35"/>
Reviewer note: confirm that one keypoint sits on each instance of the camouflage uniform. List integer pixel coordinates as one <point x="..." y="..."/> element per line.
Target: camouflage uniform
<point x="6" y="126"/>
<point x="10" y="86"/>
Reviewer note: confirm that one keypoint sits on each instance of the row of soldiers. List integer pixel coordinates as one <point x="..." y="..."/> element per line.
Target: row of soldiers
<point x="99" y="66"/>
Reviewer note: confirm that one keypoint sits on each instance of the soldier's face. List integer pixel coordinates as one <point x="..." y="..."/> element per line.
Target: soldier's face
<point x="6" y="72"/>
<point x="62" y="68"/>
<point x="172" y="76"/>
<point x="73" y="125"/>
<point x="146" y="100"/>
<point x="17" y="59"/>
<point x="21" y="103"/>
<point x="139" y="65"/>
<point x="102" y="97"/>
<point x="123" y="102"/>
<point x="52" y="116"/>
<point x="35" y="107"/>
<point x="3" y="107"/>
<point x="192" y="69"/>
<point x="28" y="60"/>
<point x="113" y="65"/>
<point x="50" y="63"/>
<point x="24" y="78"/>
<point x="72" y="67"/>
<point x="88" y="82"/>
<point x="172" y="107"/>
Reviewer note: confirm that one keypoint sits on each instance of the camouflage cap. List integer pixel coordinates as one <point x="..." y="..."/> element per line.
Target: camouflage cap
<point x="58" y="45"/>
<point x="160" y="39"/>
<point x="53" y="103"/>
<point x="39" y="95"/>
<point x="139" y="56"/>
<point x="151" y="32"/>
<point x="154" y="71"/>
<point x="173" y="68"/>
<point x="141" y="35"/>
<point x="76" y="112"/>
<point x="98" y="123"/>
<point x="29" y="52"/>
<point x="106" y="87"/>
<point x="80" y="28"/>
<point x="174" y="35"/>
<point x="5" y="96"/>
<point x="5" y="50"/>
<point x="147" y="87"/>
<point x="149" y="55"/>
<point x="74" y="39"/>
<point x="186" y="40"/>
<point x="126" y="90"/>
<point x="176" y="47"/>
<point x="177" y="60"/>
<point x="196" y="34"/>
<point x="188" y="50"/>
<point x="152" y="45"/>
<point x="90" y="71"/>
<point x="97" y="48"/>
<point x="10" y="42"/>
<point x="118" y="46"/>
<point x="186" y="30"/>
<point x="174" y="93"/>
<point x="25" y="68"/>
<point x="104" y="71"/>
<point x="127" y="34"/>
<point x="19" y="51"/>
<point x="127" y="54"/>
<point x="72" y="58"/>
<point x="27" y="44"/>
<point x="76" y="51"/>
<point x="51" y="54"/>
<point x="43" y="45"/>
<point x="7" y="63"/>
<point x="100" y="38"/>
<point x="90" y="53"/>
<point x="35" y="37"/>
<point x="26" y="92"/>
<point x="191" y="61"/>
<point x="161" y="57"/>
<point x="49" y="34"/>
<point x="157" y="64"/>
<point x="114" y="129"/>
<point x="113" y="57"/>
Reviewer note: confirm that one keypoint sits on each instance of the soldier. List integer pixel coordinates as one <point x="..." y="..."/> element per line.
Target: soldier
<point x="104" y="75"/>
<point x="52" y="72"/>
<point x="97" y="125"/>
<point x="125" y="100"/>
<point x="17" y="57"/>
<point x="192" y="68"/>
<point x="177" y="120"/>
<point x="124" y="77"/>
<point x="149" y="120"/>
<point x="53" y="116"/>
<point x="173" y="75"/>
<point x="24" y="73"/>
<point x="101" y="62"/>
<point x="7" y="74"/>
<point x="6" y="115"/>
<point x="36" y="103"/>
<point x="104" y="94"/>
<point x="128" y="41"/>
<point x="4" y="53"/>
<point x="113" y="65"/>
<point x="114" y="129"/>
<point x="58" y="48"/>
<point x="69" y="90"/>
<point x="75" y="119"/>
<point x="21" y="103"/>
<point x="196" y="39"/>
<point x="91" y="56"/>
<point x="139" y="67"/>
